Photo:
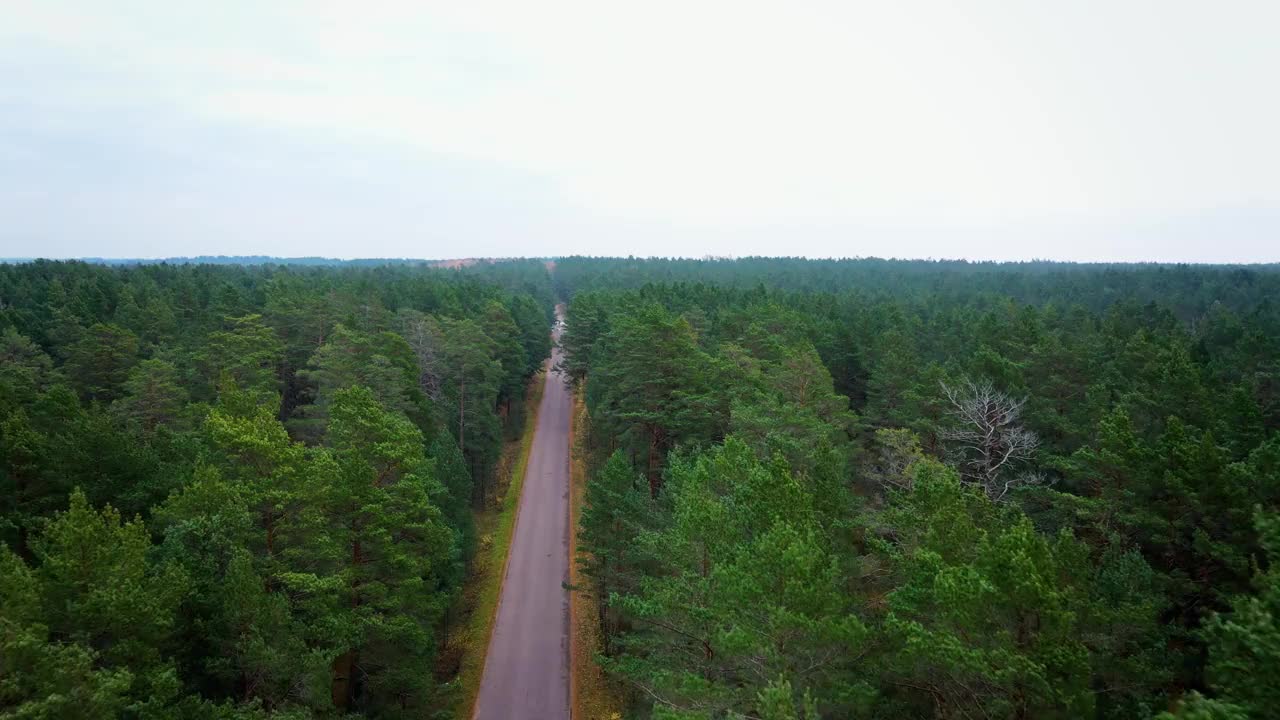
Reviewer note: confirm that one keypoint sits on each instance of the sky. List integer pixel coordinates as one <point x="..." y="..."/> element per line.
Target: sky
<point x="1119" y="130"/>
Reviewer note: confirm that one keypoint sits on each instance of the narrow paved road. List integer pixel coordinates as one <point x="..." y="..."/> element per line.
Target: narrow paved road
<point x="526" y="673"/>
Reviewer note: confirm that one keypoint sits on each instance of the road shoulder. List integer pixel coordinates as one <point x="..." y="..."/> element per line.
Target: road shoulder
<point x="591" y="695"/>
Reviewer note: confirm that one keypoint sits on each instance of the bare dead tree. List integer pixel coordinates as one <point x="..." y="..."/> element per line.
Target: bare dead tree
<point x="988" y="440"/>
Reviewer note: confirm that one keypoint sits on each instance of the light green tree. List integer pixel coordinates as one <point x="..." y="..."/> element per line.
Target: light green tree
<point x="744" y="595"/>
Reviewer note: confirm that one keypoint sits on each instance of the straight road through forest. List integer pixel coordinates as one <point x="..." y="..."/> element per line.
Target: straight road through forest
<point x="526" y="671"/>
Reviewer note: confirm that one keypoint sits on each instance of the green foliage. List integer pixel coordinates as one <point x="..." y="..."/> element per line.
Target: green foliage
<point x="153" y="395"/>
<point x="658" y="388"/>
<point x="500" y="328"/>
<point x="99" y="362"/>
<point x="1244" y="645"/>
<point x="382" y="363"/>
<point x="84" y="630"/>
<point x="245" y="354"/>
<point x="985" y="616"/>
<point x="617" y="507"/>
<point x="25" y="369"/>
<point x="1150" y="391"/>
<point x="272" y="578"/>
<point x="1198" y="707"/>
<point x="768" y="523"/>
<point x="467" y="381"/>
<point x="744" y="591"/>
<point x="399" y="551"/>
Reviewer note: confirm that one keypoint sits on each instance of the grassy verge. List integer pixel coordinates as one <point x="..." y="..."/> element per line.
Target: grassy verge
<point x="494" y="528"/>
<point x="591" y="695"/>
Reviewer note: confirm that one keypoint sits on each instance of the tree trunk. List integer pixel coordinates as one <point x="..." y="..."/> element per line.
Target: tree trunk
<point x="343" y="687"/>
<point x="340" y="689"/>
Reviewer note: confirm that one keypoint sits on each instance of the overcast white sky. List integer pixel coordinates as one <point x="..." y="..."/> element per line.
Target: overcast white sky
<point x="1109" y="130"/>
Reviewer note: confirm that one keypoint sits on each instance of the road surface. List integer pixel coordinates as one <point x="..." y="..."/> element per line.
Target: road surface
<point x="526" y="672"/>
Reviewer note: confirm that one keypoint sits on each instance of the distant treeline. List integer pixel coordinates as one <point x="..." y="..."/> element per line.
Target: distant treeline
<point x="251" y="260"/>
<point x="1187" y="289"/>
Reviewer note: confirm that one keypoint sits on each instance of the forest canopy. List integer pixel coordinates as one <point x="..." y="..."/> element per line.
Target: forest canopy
<point x="246" y="491"/>
<point x="891" y="489"/>
<point x="815" y="489"/>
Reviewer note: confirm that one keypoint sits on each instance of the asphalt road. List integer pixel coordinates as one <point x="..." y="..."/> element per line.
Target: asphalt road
<point x="526" y="673"/>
